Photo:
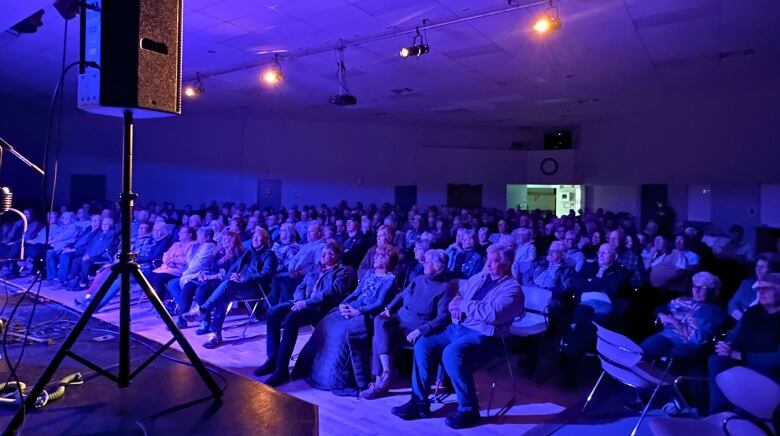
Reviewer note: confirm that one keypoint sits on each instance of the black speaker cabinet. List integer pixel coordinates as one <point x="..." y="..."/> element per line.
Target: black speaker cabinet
<point x="137" y="44"/>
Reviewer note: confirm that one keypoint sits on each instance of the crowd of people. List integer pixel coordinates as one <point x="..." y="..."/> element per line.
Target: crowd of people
<point x="446" y="282"/>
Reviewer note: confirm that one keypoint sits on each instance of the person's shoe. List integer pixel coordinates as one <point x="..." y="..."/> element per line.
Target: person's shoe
<point x="268" y="367"/>
<point x="193" y="315"/>
<point x="83" y="301"/>
<point x="673" y="410"/>
<point x="462" y="419"/>
<point x="181" y="323"/>
<point x="378" y="388"/>
<point x="204" y="329"/>
<point x="214" y="341"/>
<point x="411" y="410"/>
<point x="278" y="378"/>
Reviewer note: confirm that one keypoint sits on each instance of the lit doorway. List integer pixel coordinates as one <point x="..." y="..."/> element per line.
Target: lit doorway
<point x="557" y="198"/>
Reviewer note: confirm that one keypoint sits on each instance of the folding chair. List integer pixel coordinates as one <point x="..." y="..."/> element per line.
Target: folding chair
<point x="755" y="412"/>
<point x="621" y="358"/>
<point x="509" y="404"/>
<point x="534" y="320"/>
<point x="251" y="305"/>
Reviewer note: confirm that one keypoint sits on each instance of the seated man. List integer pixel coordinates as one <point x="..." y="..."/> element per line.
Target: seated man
<point x="324" y="286"/>
<point x="754" y="342"/>
<point x="627" y="258"/>
<point x="59" y="270"/>
<point x="601" y="285"/>
<point x="100" y="249"/>
<point x="244" y="279"/>
<point x="483" y="311"/>
<point x="284" y="283"/>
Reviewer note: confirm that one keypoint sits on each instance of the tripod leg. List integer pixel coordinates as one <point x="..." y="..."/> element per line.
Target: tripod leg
<point x="48" y="373"/>
<point x="124" y="327"/>
<point x="185" y="345"/>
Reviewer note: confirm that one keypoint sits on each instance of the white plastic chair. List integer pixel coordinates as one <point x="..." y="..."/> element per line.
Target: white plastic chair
<point x="740" y="386"/>
<point x="534" y="319"/>
<point x="621" y="358"/>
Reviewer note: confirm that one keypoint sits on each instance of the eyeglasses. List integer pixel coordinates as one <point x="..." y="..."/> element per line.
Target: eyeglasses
<point x="702" y="288"/>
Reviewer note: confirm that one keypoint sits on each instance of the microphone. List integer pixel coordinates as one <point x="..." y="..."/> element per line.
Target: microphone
<point x="7" y="147"/>
<point x="6" y="199"/>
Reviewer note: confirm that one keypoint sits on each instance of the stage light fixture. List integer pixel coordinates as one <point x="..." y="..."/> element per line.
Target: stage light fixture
<point x="418" y="48"/>
<point x="273" y="75"/>
<point x="195" y="88"/>
<point x="550" y="21"/>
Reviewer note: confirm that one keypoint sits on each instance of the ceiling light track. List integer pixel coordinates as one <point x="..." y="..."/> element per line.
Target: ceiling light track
<point x="343" y="43"/>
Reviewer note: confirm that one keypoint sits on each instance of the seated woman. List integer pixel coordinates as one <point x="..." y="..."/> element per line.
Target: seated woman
<point x="746" y="295"/>
<point x="420" y="310"/>
<point x="174" y="261"/>
<point x="665" y="265"/>
<point x="199" y="290"/>
<point x="200" y="257"/>
<point x="324" y="285"/>
<point x="286" y="247"/>
<point x="337" y="355"/>
<point x="384" y="237"/>
<point x="149" y="245"/>
<point x="688" y="322"/>
<point x="468" y="261"/>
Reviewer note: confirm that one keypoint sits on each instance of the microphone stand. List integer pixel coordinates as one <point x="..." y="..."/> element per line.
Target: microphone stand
<point x="6" y="197"/>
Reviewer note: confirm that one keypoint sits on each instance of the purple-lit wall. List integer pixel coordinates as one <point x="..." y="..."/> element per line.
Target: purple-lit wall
<point x="196" y="158"/>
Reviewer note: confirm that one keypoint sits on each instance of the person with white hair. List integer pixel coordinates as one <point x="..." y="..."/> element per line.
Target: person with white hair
<point x="525" y="256"/>
<point x="467" y="261"/>
<point x="419" y="310"/>
<point x="688" y="322"/>
<point x="481" y="313"/>
<point x="552" y="273"/>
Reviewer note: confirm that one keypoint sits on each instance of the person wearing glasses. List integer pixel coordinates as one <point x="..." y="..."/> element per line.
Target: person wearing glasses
<point x="754" y="343"/>
<point x="688" y="322"/>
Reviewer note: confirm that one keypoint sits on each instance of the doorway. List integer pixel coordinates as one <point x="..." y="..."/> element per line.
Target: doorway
<point x="557" y="198"/>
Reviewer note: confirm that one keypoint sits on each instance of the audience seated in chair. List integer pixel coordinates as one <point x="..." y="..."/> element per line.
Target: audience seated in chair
<point x="747" y="296"/>
<point x="200" y="257"/>
<point x="58" y="267"/>
<point x="326" y="283"/>
<point x="246" y="277"/>
<point x="173" y="262"/>
<point x="754" y="342"/>
<point x="689" y="323"/>
<point x="337" y="356"/>
<point x="284" y="283"/>
<point x="149" y="247"/>
<point x="420" y="310"/>
<point x="100" y="249"/>
<point x="482" y="313"/>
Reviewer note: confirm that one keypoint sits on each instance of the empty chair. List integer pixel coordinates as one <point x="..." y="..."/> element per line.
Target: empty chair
<point x="740" y="386"/>
<point x="621" y="358"/>
<point x="534" y="319"/>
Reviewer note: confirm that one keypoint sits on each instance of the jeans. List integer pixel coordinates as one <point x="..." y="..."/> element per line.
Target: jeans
<point x="282" y="288"/>
<point x="183" y="295"/>
<point x="226" y="291"/>
<point x="280" y="345"/>
<point x="462" y="351"/>
<point x="658" y="346"/>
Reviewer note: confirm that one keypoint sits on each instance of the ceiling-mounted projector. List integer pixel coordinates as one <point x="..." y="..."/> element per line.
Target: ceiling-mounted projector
<point x="343" y="100"/>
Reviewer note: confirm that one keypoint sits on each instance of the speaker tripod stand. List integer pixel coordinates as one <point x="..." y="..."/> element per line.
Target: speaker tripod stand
<point x="122" y="270"/>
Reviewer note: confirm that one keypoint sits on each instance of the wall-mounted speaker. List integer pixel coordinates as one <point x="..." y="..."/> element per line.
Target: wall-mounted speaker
<point x="137" y="44"/>
<point x="558" y="140"/>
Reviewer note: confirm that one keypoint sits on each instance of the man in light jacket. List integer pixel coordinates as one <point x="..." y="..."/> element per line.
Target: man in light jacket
<point x="483" y="312"/>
